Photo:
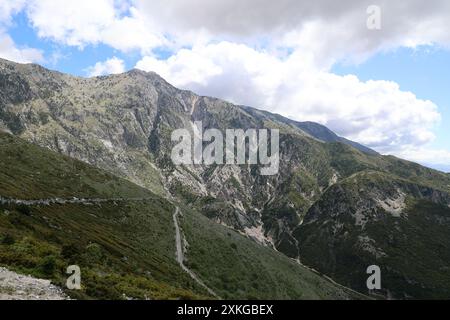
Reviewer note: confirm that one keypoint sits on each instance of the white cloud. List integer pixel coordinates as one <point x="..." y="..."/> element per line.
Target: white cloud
<point x="330" y="29"/>
<point x="376" y="113"/>
<point x="436" y="158"/>
<point x="275" y="55"/>
<point x="9" y="51"/>
<point x="71" y="22"/>
<point x="83" y="22"/>
<point x="132" y="32"/>
<point x="110" y="66"/>
<point x="8" y="8"/>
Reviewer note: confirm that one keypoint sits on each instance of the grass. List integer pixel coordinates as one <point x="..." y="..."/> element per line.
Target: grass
<point x="237" y="268"/>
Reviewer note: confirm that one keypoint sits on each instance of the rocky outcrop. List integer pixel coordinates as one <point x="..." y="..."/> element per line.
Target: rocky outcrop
<point x="14" y="286"/>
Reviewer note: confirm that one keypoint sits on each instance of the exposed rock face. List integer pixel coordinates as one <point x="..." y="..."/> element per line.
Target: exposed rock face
<point x="14" y="286"/>
<point x="123" y="123"/>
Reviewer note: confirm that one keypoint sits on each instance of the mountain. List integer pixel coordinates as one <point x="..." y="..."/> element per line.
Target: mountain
<point x="372" y="218"/>
<point x="443" y="168"/>
<point x="56" y="211"/>
<point x="316" y="131"/>
<point x="311" y="211"/>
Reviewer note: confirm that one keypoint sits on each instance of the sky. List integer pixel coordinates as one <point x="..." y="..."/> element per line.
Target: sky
<point x="374" y="71"/>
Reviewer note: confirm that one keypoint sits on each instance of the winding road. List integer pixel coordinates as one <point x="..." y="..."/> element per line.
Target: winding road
<point x="180" y="254"/>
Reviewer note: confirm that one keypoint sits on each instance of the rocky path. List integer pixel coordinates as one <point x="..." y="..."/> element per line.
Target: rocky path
<point x="180" y="254"/>
<point x="14" y="286"/>
<point x="52" y="201"/>
<point x="179" y="242"/>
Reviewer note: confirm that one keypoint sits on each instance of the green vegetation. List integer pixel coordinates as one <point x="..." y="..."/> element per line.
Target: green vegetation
<point x="346" y="231"/>
<point x="123" y="124"/>
<point x="124" y="248"/>
<point x="237" y="268"/>
<point x="30" y="172"/>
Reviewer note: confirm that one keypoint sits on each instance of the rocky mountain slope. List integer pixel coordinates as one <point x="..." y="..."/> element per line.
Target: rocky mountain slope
<point x="56" y="211"/>
<point x="123" y="124"/>
<point x="372" y="218"/>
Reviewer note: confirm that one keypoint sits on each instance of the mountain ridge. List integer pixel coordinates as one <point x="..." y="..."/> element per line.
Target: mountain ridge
<point x="123" y="123"/>
<point x="316" y="130"/>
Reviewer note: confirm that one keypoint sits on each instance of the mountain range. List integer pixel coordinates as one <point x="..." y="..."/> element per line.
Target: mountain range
<point x="335" y="207"/>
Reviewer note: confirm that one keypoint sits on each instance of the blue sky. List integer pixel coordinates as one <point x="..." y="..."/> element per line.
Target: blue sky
<point x="425" y="71"/>
<point x="67" y="59"/>
<point x="383" y="87"/>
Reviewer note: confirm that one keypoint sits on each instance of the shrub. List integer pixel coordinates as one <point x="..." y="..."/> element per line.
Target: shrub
<point x="24" y="209"/>
<point x="8" y="240"/>
<point x="48" y="265"/>
<point x="70" y="251"/>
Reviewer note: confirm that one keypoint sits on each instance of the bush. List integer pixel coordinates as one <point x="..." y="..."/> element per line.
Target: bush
<point x="48" y="265"/>
<point x="70" y="252"/>
<point x="8" y="240"/>
<point x="24" y="209"/>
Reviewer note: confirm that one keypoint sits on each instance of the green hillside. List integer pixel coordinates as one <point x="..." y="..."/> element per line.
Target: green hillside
<point x="125" y="246"/>
<point x="372" y="218"/>
<point x="241" y="269"/>
<point x="122" y="247"/>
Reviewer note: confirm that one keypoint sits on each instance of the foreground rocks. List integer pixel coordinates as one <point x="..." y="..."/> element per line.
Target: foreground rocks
<point x="14" y="286"/>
